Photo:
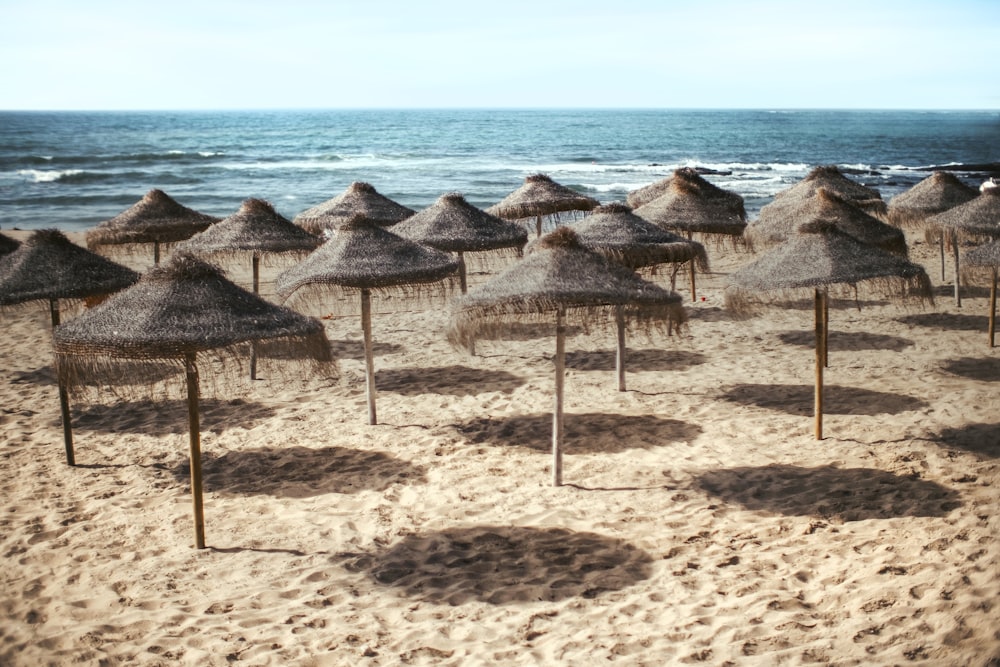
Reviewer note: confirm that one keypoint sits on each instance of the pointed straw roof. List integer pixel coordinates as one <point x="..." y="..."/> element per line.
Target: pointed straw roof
<point x="560" y="272"/>
<point x="829" y="177"/>
<point x="538" y="196"/>
<point x="616" y="232"/>
<point x="985" y="256"/>
<point x="937" y="193"/>
<point x="50" y="266"/>
<point x="363" y="255"/>
<point x="255" y="228"/>
<point x="831" y="206"/>
<point x="452" y="224"/>
<point x="358" y="199"/>
<point x="705" y="188"/>
<point x="820" y="255"/>
<point x="7" y="244"/>
<point x="156" y="218"/>
<point x="692" y="204"/>
<point x="979" y="217"/>
<point x="184" y="306"/>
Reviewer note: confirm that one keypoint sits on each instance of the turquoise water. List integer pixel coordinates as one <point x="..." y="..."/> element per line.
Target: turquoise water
<point x="71" y="170"/>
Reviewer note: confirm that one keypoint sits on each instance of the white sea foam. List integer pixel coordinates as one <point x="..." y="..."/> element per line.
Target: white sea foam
<point x="42" y="176"/>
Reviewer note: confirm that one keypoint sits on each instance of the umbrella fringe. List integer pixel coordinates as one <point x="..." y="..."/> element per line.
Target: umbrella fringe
<point x="342" y="301"/>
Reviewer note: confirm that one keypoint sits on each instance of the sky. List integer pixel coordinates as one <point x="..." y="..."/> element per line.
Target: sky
<point x="293" y="54"/>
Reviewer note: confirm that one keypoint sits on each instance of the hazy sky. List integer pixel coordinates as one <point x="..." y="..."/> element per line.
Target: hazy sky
<point x="183" y="54"/>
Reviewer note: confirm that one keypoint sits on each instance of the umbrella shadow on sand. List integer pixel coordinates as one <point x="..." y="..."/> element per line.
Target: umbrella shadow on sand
<point x="299" y="472"/>
<point x="502" y="565"/>
<point x="638" y="360"/>
<point x="984" y="369"/>
<point x="846" y="494"/>
<point x="355" y="349"/>
<point x="848" y="341"/>
<point x="169" y="416"/>
<point x="797" y="399"/>
<point x="982" y="439"/>
<point x="588" y="433"/>
<point x="946" y="321"/>
<point x="453" y="380"/>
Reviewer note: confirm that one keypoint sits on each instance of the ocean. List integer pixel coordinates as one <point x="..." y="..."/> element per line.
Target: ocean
<point x="72" y="170"/>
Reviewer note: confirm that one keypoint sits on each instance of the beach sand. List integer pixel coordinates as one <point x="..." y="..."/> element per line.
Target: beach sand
<point x="701" y="521"/>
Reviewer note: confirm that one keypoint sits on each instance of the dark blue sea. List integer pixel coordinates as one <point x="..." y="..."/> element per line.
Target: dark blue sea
<point x="71" y="170"/>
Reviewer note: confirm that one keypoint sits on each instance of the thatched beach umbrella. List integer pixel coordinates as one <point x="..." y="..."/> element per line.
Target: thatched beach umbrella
<point x="822" y="259"/>
<point x="615" y="232"/>
<point x="976" y="220"/>
<point x="541" y="196"/>
<point x="696" y="181"/>
<point x="358" y="199"/>
<point x="8" y="245"/>
<point x="362" y="258"/>
<point x="560" y="279"/>
<point x="256" y="230"/>
<point x="691" y="205"/>
<point x="177" y="311"/>
<point x="935" y="194"/>
<point x="985" y="260"/>
<point x="451" y="224"/>
<point x="50" y="267"/>
<point x="830" y="177"/>
<point x="829" y="205"/>
<point x="156" y="219"/>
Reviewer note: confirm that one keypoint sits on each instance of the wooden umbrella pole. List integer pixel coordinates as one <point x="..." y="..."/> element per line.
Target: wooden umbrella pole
<point x="820" y="356"/>
<point x="462" y="277"/>
<point x="941" y="248"/>
<point x="366" y="328"/>
<point x="538" y="225"/>
<point x="255" y="262"/>
<point x="156" y="252"/>
<point x="993" y="307"/>
<point x="826" y="330"/>
<point x="63" y="396"/>
<point x="694" y="292"/>
<point x="194" y="431"/>
<point x="954" y="252"/>
<point x="557" y="415"/>
<point x="620" y="356"/>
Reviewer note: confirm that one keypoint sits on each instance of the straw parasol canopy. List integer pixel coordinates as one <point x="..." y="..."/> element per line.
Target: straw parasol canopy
<point x="830" y="177"/>
<point x="980" y="261"/>
<point x="822" y="259"/>
<point x="976" y="220"/>
<point x="541" y="196"/>
<point x="935" y="194"/>
<point x="705" y="188"/>
<point x="177" y="311"/>
<point x="560" y="279"/>
<point x="360" y="259"/>
<point x="451" y="224"/>
<point x="156" y="219"/>
<point x="50" y="267"/>
<point x="358" y="199"/>
<point x="7" y="244"/>
<point x="828" y="205"/>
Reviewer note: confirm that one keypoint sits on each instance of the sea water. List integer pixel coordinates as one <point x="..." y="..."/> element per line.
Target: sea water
<point x="71" y="170"/>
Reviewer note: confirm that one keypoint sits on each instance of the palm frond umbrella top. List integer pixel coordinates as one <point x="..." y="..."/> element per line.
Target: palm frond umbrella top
<point x="49" y="266"/>
<point x="693" y="205"/>
<point x="7" y="244"/>
<point x="538" y="197"/>
<point x="156" y="218"/>
<point x="358" y="199"/>
<point x="984" y="261"/>
<point x="255" y="228"/>
<point x="937" y="193"/>
<point x="829" y="177"/>
<point x="616" y="232"/>
<point x="696" y="181"/>
<point x="452" y="224"/>
<point x="978" y="218"/>
<point x="828" y="205"/>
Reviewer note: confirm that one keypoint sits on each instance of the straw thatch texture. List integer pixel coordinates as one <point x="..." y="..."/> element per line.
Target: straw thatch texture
<point x="558" y="273"/>
<point x="980" y="262"/>
<point x="820" y="255"/>
<point x="540" y="196"/>
<point x="8" y="245"/>
<point x="692" y="205"/>
<point x="451" y="224"/>
<point x="184" y="306"/>
<point x="156" y="218"/>
<point x="616" y="232"/>
<point x="788" y="201"/>
<point x="358" y="199"/>
<point x="256" y="229"/>
<point x="50" y="266"/>
<point x="935" y="194"/>
<point x="362" y="255"/>
<point x="696" y="181"/>
<point x="977" y="219"/>
<point x="828" y="205"/>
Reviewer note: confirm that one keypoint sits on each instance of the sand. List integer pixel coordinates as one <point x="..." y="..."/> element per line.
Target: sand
<point x="701" y="521"/>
